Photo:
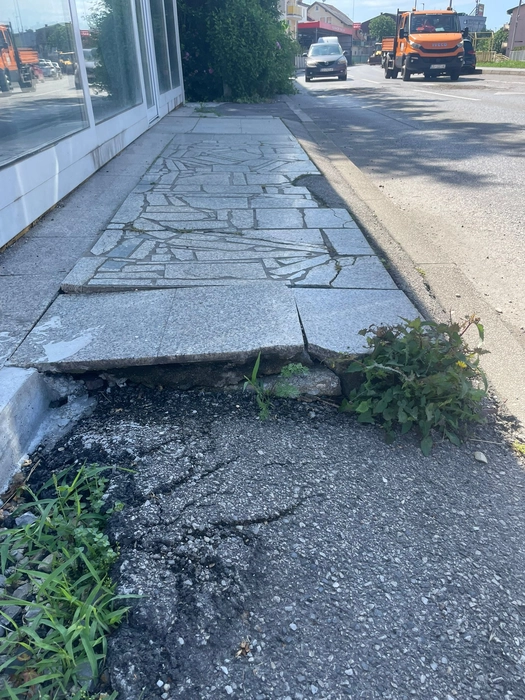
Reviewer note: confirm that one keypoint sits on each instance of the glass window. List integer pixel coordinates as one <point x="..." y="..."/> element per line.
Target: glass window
<point x="108" y="41"/>
<point x="41" y="100"/>
<point x="161" y="45"/>
<point x="172" y="43"/>
<point x="144" y="54"/>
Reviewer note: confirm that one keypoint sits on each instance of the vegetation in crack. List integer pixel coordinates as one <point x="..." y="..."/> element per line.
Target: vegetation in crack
<point x="58" y="603"/>
<point x="281" y="388"/>
<point x="419" y="375"/>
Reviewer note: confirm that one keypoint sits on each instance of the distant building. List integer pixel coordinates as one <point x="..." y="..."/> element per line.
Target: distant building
<point x="326" y="20"/>
<point x="475" y="23"/>
<point x="293" y="12"/>
<point x="516" y="28"/>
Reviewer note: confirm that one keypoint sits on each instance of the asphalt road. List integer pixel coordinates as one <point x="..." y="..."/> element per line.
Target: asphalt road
<point x="449" y="157"/>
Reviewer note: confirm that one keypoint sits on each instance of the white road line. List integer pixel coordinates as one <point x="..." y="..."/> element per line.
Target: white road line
<point x="509" y="92"/>
<point x="444" y="94"/>
<point x="376" y="82"/>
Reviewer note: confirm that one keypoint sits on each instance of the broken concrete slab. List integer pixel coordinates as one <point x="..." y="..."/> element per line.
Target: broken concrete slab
<point x="332" y="318"/>
<point x="104" y="331"/>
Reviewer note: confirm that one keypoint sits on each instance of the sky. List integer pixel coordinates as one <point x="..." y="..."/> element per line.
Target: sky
<point x="361" y="10"/>
<point x="35" y="14"/>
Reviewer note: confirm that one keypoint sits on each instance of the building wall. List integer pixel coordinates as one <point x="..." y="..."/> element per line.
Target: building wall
<point x="118" y="71"/>
<point x="319" y="13"/>
<point x="517" y="29"/>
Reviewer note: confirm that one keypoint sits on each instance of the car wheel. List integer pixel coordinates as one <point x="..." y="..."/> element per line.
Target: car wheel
<point x="405" y="73"/>
<point x="343" y="77"/>
<point x="454" y="75"/>
<point x="307" y="79"/>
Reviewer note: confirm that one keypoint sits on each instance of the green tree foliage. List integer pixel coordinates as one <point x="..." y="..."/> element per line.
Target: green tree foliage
<point x="235" y="47"/>
<point x="381" y="26"/>
<point x="500" y="37"/>
<point x="60" y="38"/>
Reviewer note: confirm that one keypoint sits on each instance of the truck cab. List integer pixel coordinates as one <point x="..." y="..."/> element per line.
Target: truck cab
<point x="429" y="42"/>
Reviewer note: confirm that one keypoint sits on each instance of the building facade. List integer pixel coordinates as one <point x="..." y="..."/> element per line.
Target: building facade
<point x="79" y="81"/>
<point x="516" y="41"/>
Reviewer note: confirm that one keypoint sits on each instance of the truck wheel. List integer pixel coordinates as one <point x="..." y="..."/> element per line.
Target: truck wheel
<point x="395" y="73"/>
<point x="454" y="75"/>
<point x="405" y="73"/>
<point x="4" y="85"/>
<point x="388" y="73"/>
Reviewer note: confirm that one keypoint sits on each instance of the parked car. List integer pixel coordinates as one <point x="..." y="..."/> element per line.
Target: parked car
<point x="325" y="60"/>
<point x="48" y="69"/>
<point x="58" y="69"/>
<point x="469" y="60"/>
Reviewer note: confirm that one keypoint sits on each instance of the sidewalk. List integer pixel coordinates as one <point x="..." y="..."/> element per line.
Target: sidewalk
<point x="214" y="255"/>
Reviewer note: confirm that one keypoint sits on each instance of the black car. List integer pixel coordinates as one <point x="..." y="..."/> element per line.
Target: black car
<point x="325" y="61"/>
<point x="469" y="61"/>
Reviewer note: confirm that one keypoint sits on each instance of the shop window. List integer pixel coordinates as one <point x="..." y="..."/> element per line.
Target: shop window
<point x="41" y="100"/>
<point x="172" y="43"/>
<point x="110" y="56"/>
<point x="158" y="19"/>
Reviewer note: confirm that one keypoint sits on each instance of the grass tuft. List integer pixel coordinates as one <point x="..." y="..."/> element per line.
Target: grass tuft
<point x="58" y="604"/>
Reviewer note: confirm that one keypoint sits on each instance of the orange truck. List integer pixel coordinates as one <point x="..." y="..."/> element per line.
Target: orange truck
<point x="15" y="63"/>
<point x="428" y="42"/>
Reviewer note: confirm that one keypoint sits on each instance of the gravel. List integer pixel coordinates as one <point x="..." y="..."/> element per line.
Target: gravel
<point x="302" y="556"/>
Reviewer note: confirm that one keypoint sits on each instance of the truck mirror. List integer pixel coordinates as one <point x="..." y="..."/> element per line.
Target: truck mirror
<point x="3" y="44"/>
<point x="402" y="34"/>
<point x="305" y="55"/>
<point x="465" y="32"/>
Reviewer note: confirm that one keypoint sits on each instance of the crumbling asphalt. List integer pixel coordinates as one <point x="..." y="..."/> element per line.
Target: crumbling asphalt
<point x="304" y="557"/>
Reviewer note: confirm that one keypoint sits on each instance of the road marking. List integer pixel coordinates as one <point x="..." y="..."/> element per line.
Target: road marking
<point x="445" y="94"/>
<point x="376" y="82"/>
<point x="509" y="92"/>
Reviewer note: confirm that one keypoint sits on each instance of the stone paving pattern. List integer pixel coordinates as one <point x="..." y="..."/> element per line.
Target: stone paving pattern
<point x="219" y="209"/>
<point x="217" y="255"/>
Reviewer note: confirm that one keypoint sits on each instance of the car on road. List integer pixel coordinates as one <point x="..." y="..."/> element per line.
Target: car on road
<point x="48" y="69"/>
<point x="325" y="60"/>
<point x="469" y="60"/>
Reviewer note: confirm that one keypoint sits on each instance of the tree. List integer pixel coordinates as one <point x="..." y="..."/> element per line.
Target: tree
<point x="500" y="37"/>
<point x="381" y="26"/>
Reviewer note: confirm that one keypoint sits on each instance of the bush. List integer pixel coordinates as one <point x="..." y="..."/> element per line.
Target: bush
<point x="238" y="46"/>
<point x="420" y="375"/>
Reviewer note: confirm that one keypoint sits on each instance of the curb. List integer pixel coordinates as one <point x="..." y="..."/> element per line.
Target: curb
<point x="24" y="402"/>
<point x="501" y="71"/>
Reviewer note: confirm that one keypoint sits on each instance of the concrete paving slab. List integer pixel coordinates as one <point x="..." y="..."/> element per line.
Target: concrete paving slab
<point x="332" y="318"/>
<point x="97" y="332"/>
<point x="348" y="242"/>
<point x="232" y="323"/>
<point x="362" y="273"/>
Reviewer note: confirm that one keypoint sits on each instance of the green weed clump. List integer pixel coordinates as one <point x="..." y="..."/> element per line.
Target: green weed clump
<point x="419" y="375"/>
<point x="281" y="388"/>
<point x="61" y="604"/>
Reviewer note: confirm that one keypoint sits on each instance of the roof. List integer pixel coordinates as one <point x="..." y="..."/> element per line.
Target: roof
<point x="334" y="11"/>
<point x="330" y="29"/>
<point x="509" y="12"/>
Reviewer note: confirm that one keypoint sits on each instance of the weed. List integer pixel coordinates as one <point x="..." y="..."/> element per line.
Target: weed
<point x="294" y="369"/>
<point x="519" y="447"/>
<point x="420" y="375"/>
<point x="421" y="272"/>
<point x="280" y="389"/>
<point x="262" y="396"/>
<point x="61" y="603"/>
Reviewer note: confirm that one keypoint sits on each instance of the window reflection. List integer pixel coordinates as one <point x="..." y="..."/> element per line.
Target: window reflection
<point x="40" y="102"/>
<point x="108" y="43"/>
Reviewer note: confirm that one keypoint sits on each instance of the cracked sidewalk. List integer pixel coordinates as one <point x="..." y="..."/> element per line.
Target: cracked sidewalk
<point x="218" y="236"/>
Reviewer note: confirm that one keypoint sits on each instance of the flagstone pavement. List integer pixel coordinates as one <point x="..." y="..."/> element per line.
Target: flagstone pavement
<point x="218" y="212"/>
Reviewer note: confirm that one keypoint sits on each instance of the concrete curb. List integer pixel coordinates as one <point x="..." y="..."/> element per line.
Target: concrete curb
<point x="501" y="71"/>
<point x="24" y="401"/>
